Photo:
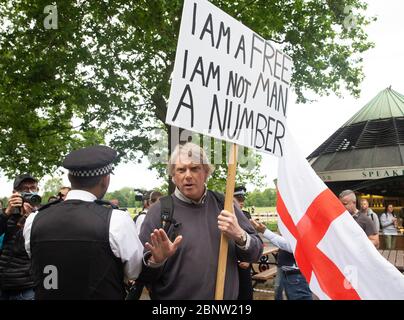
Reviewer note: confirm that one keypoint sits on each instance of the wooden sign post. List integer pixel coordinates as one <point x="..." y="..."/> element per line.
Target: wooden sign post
<point x="228" y="205"/>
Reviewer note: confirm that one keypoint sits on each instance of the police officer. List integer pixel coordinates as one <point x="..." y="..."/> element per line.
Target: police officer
<point x="81" y="248"/>
<point x="239" y="195"/>
<point x="244" y="268"/>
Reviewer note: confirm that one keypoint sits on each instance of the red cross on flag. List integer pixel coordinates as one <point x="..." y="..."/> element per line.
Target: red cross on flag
<point x="331" y="249"/>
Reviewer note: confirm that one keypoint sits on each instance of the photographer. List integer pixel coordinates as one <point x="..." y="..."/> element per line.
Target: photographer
<point x="149" y="198"/>
<point x="142" y="214"/>
<point x="16" y="281"/>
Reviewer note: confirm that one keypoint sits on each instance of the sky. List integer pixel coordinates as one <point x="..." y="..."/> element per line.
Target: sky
<point x="311" y="123"/>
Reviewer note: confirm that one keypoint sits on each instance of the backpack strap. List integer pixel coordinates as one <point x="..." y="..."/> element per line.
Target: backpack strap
<point x="106" y="204"/>
<point x="167" y="211"/>
<point x="150" y="275"/>
<point x="137" y="216"/>
<point x="168" y="223"/>
<point x="380" y="221"/>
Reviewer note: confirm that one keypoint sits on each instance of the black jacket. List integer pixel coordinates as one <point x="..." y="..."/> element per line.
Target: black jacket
<point x="15" y="265"/>
<point x="73" y="238"/>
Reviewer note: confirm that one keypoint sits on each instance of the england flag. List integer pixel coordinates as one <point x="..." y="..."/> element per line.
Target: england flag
<point x="332" y="251"/>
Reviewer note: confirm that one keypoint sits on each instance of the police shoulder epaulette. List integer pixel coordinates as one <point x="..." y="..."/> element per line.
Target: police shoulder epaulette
<point x="50" y="204"/>
<point x="106" y="204"/>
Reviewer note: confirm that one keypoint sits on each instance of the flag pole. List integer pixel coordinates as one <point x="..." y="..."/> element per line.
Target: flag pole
<point x="228" y="205"/>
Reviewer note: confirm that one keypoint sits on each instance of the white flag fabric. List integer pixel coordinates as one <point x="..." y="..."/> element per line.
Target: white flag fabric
<point x="330" y="248"/>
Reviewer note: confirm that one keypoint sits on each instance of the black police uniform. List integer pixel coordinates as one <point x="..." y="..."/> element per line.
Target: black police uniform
<point x="245" y="282"/>
<point x="73" y="236"/>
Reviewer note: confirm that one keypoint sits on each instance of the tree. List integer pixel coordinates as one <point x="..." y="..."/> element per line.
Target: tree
<point x="3" y="202"/>
<point x="103" y="74"/>
<point x="218" y="154"/>
<point x="51" y="188"/>
<point x="257" y="198"/>
<point x="38" y="75"/>
<point x="125" y="196"/>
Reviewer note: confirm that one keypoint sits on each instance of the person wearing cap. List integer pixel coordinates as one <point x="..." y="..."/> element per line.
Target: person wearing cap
<point x="141" y="215"/>
<point x="82" y="248"/>
<point x="16" y="278"/>
<point x="149" y="199"/>
<point x="239" y="196"/>
<point x="244" y="268"/>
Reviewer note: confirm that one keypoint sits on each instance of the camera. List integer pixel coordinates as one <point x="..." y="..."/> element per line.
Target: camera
<point x="138" y="197"/>
<point x="32" y="198"/>
<point x="140" y="194"/>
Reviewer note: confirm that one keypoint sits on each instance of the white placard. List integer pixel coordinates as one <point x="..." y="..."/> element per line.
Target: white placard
<point x="228" y="82"/>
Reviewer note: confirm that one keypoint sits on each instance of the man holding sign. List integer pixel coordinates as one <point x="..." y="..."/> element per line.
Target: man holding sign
<point x="232" y="84"/>
<point x="198" y="216"/>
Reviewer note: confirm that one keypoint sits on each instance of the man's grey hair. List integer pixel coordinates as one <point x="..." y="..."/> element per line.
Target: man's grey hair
<point x="194" y="153"/>
<point x="348" y="193"/>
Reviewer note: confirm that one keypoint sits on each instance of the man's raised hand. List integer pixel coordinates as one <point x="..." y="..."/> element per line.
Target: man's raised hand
<point x="161" y="246"/>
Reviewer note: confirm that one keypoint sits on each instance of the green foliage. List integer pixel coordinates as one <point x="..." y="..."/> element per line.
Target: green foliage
<point x="125" y="196"/>
<point x="266" y="198"/>
<point x="248" y="170"/>
<point x="273" y="226"/>
<point x="104" y="74"/>
<point x="41" y="90"/>
<point x="4" y="201"/>
<point x="51" y="188"/>
<point x="248" y="161"/>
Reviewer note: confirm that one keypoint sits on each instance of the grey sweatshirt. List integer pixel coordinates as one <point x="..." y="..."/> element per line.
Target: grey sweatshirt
<point x="191" y="272"/>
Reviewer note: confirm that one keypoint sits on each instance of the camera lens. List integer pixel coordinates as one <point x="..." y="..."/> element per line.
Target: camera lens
<point x="35" y="200"/>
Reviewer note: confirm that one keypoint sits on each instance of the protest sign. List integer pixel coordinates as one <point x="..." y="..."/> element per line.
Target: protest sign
<point x="228" y="82"/>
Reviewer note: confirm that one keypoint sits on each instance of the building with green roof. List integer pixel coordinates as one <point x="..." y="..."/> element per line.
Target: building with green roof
<point x="367" y="153"/>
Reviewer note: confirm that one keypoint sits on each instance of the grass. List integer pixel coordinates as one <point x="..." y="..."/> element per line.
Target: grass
<point x="132" y="211"/>
<point x="262" y="209"/>
<point x="273" y="226"/>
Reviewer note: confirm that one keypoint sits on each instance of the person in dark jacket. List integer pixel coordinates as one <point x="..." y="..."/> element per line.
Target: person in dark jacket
<point x="16" y="279"/>
<point x="244" y="268"/>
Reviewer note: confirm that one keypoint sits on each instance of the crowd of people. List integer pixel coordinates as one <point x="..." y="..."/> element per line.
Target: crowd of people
<point x="78" y="246"/>
<point x="83" y="248"/>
